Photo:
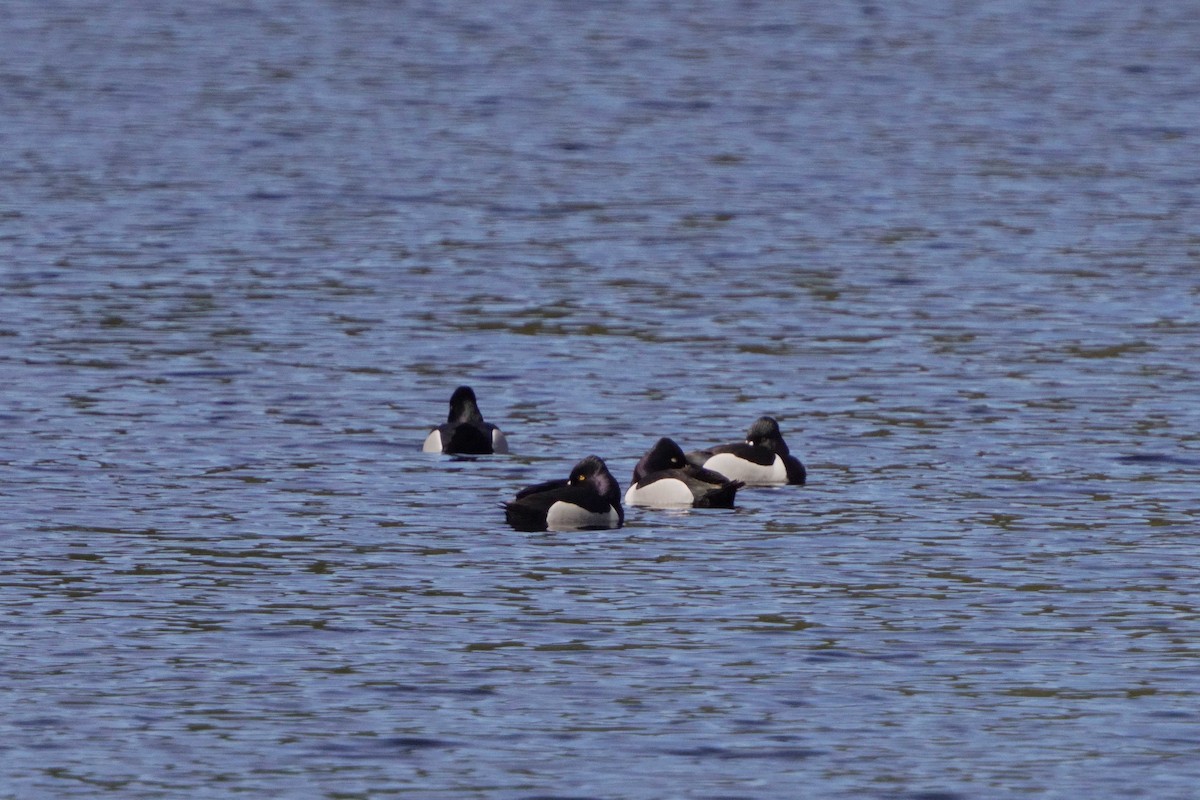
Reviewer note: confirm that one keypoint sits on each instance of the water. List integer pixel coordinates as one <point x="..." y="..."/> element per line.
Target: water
<point x="247" y="253"/>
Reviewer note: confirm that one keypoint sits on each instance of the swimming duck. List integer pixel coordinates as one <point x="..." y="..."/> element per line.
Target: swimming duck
<point x="464" y="430"/>
<point x="590" y="498"/>
<point x="763" y="458"/>
<point x="663" y="478"/>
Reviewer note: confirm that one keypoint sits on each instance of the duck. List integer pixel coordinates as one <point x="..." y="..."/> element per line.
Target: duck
<point x="465" y="431"/>
<point x="763" y="459"/>
<point x="589" y="499"/>
<point x="664" y="478"/>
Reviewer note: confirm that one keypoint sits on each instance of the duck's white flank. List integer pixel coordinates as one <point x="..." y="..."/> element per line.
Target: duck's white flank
<point x="568" y="516"/>
<point x="739" y="469"/>
<point x="666" y="493"/>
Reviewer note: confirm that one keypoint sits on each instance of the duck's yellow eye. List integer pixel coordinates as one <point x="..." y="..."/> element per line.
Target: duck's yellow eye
<point x="580" y="477"/>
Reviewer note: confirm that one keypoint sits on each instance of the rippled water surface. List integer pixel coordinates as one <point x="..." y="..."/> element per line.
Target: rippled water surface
<point x="247" y="252"/>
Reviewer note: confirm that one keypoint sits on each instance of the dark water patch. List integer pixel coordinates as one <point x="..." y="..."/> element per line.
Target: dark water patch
<point x="735" y="753"/>
<point x="436" y="688"/>
<point x="413" y="743"/>
<point x="1157" y="458"/>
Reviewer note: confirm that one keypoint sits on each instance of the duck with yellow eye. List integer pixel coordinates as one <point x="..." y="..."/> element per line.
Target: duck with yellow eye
<point x="589" y="499"/>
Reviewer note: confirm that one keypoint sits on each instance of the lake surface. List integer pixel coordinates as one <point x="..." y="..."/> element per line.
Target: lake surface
<point x="247" y="253"/>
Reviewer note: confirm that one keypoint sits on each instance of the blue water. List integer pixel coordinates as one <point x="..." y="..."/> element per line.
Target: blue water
<point x="246" y="254"/>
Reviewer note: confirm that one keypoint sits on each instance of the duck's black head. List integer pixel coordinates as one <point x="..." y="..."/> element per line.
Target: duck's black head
<point x="463" y="407"/>
<point x="592" y="470"/>
<point x="665" y="454"/>
<point x="765" y="433"/>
